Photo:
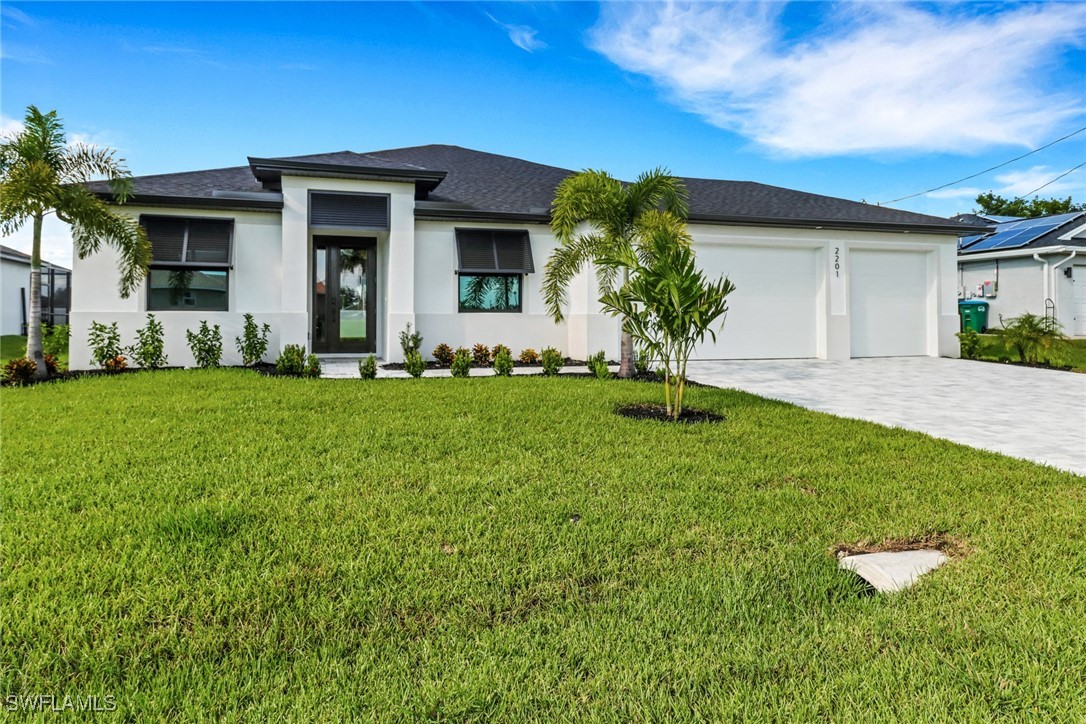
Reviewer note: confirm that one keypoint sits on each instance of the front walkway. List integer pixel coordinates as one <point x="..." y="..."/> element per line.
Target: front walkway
<point x="1035" y="414"/>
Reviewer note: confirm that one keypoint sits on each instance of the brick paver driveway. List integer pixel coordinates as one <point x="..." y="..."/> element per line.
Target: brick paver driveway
<point x="1028" y="413"/>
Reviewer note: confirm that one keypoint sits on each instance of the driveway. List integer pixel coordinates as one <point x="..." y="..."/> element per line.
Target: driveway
<point x="1035" y="414"/>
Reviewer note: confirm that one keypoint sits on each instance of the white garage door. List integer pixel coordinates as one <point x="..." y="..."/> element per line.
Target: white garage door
<point x="888" y="308"/>
<point x="772" y="312"/>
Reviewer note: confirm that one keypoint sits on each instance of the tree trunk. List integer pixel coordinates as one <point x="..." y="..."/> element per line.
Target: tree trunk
<point x="33" y="326"/>
<point x="626" y="347"/>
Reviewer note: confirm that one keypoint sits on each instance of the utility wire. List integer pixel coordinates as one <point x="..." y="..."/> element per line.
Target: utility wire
<point x="993" y="168"/>
<point x="1076" y="168"/>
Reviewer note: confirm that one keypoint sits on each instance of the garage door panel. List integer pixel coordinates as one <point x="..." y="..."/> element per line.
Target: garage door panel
<point x="772" y="312"/>
<point x="888" y="307"/>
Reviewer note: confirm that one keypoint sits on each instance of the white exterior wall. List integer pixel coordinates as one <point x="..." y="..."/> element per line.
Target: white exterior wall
<point x="255" y="286"/>
<point x="14" y="277"/>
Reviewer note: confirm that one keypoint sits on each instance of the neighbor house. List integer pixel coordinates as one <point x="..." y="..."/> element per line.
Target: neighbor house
<point x="339" y="251"/>
<point x="1028" y="265"/>
<point x="15" y="288"/>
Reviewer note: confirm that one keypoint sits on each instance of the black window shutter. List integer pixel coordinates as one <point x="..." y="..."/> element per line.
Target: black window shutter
<point x="494" y="251"/>
<point x="179" y="241"/>
<point x="209" y="242"/>
<point x="167" y="237"/>
<point x="366" y="211"/>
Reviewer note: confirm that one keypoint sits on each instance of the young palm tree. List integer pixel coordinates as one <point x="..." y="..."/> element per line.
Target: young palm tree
<point x="613" y="211"/>
<point x="41" y="174"/>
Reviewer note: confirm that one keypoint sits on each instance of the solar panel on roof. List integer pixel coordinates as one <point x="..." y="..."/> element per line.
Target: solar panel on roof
<point x="1016" y="234"/>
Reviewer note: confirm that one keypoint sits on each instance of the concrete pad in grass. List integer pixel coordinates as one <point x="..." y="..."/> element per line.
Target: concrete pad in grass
<point x="893" y="571"/>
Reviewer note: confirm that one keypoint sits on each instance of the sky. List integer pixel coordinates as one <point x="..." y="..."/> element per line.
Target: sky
<point x="868" y="101"/>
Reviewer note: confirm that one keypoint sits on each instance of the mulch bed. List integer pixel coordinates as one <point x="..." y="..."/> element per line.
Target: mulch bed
<point x="659" y="412"/>
<point x="950" y="545"/>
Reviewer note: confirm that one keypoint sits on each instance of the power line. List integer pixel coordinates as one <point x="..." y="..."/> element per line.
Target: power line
<point x="993" y="168"/>
<point x="1076" y="168"/>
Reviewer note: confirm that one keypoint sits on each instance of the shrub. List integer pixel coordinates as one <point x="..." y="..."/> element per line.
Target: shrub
<point x="1035" y="339"/>
<point x="480" y="353"/>
<point x="410" y="342"/>
<point x="19" y="371"/>
<point x="51" y="364"/>
<point x="461" y="364"/>
<point x="367" y="368"/>
<point x="253" y="342"/>
<point x="54" y="340"/>
<point x="116" y="364"/>
<point x="552" y="361"/>
<point x="105" y="343"/>
<point x="149" y="349"/>
<point x="414" y="364"/>
<point x="312" y="366"/>
<point x="498" y="349"/>
<point x="597" y="365"/>
<point x="444" y="354"/>
<point x="529" y="356"/>
<point x="970" y="341"/>
<point x="206" y="345"/>
<point x="642" y="362"/>
<point x="503" y="363"/>
<point x="292" y="360"/>
<point x="463" y="350"/>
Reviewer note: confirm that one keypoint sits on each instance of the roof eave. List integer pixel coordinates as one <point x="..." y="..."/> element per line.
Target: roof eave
<point x="836" y="224"/>
<point x="524" y="217"/>
<point x="194" y="202"/>
<point x="271" y="168"/>
<point x="1026" y="251"/>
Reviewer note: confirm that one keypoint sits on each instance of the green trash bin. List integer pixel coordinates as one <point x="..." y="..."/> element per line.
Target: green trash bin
<point x="974" y="314"/>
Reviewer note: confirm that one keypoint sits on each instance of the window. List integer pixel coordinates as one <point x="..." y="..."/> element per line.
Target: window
<point x="491" y="264"/>
<point x="489" y="293"/>
<point x="190" y="263"/>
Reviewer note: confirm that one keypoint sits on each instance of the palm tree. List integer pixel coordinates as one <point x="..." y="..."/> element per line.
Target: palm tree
<point x="613" y="212"/>
<point x="41" y="174"/>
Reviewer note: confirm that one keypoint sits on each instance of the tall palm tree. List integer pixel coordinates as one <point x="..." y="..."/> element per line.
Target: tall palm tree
<point x="41" y="174"/>
<point x="613" y="212"/>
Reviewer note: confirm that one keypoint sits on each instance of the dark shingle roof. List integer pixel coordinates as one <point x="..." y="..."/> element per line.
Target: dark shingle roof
<point x="1067" y="223"/>
<point x="486" y="184"/>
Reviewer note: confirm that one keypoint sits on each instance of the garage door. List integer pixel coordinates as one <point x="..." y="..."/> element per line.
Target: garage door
<point x="888" y="308"/>
<point x="772" y="312"/>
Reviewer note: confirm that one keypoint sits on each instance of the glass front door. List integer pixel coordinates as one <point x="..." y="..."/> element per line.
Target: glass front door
<point x="344" y="294"/>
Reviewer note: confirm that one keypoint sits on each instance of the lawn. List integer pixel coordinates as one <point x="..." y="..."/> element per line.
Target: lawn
<point x="992" y="348"/>
<point x="220" y="544"/>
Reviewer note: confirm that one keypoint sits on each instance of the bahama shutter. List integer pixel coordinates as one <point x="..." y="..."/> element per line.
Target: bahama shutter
<point x="494" y="251"/>
<point x="179" y="242"/>
<point x="346" y="210"/>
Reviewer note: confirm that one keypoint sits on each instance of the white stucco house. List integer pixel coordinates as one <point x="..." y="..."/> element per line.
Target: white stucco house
<point x="1028" y="265"/>
<point x="340" y="251"/>
<point x="15" y="291"/>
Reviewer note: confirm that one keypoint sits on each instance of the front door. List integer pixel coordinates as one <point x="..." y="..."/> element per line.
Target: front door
<point x="344" y="294"/>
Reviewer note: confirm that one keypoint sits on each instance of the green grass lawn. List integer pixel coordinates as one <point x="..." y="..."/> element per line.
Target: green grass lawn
<point x="220" y="544"/>
<point x="991" y="348"/>
<point x="14" y="345"/>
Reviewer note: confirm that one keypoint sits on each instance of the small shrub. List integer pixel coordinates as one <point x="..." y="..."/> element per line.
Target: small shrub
<point x="552" y="361"/>
<point x="51" y="364"/>
<point x="414" y="364"/>
<point x="444" y="354"/>
<point x="312" y="366"/>
<point x="253" y="343"/>
<point x="149" y="349"/>
<point x="480" y="353"/>
<point x="461" y="364"/>
<point x="970" y="341"/>
<point x="498" y="349"/>
<point x="19" y="371"/>
<point x="1035" y="339"/>
<point x="503" y="363"/>
<point x="54" y="340"/>
<point x="642" y="362"/>
<point x="206" y="345"/>
<point x="410" y="342"/>
<point x="115" y="364"/>
<point x="529" y="356"/>
<point x="463" y="350"/>
<point x="597" y="365"/>
<point x="367" y="368"/>
<point x="291" y="361"/>
<point x="105" y="343"/>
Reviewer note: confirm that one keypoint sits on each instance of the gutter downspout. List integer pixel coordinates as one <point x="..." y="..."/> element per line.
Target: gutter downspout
<point x="1056" y="280"/>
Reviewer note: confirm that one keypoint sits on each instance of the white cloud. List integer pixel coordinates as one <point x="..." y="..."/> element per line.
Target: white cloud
<point x="523" y="36"/>
<point x="871" y="78"/>
<point x="1013" y="184"/>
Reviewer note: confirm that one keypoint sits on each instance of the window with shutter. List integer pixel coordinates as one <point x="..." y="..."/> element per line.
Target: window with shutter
<point x="190" y="263"/>
<point x="348" y="210"/>
<point x="490" y="263"/>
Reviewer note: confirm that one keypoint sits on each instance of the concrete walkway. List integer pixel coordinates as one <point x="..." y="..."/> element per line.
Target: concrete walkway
<point x="1035" y="414"/>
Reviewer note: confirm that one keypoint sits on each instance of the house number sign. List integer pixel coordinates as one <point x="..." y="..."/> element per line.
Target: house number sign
<point x="837" y="261"/>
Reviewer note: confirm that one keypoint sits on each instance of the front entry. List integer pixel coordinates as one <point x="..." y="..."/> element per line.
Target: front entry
<point x="344" y="294"/>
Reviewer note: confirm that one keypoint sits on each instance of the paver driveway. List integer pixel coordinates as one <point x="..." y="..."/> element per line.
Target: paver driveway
<point x="1028" y="413"/>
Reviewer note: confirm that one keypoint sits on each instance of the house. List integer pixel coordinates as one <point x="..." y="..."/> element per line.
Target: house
<point x="339" y="251"/>
<point x="15" y="285"/>
<point x="1029" y="265"/>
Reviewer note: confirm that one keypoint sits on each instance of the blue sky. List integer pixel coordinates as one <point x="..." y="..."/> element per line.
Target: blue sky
<point x="868" y="101"/>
